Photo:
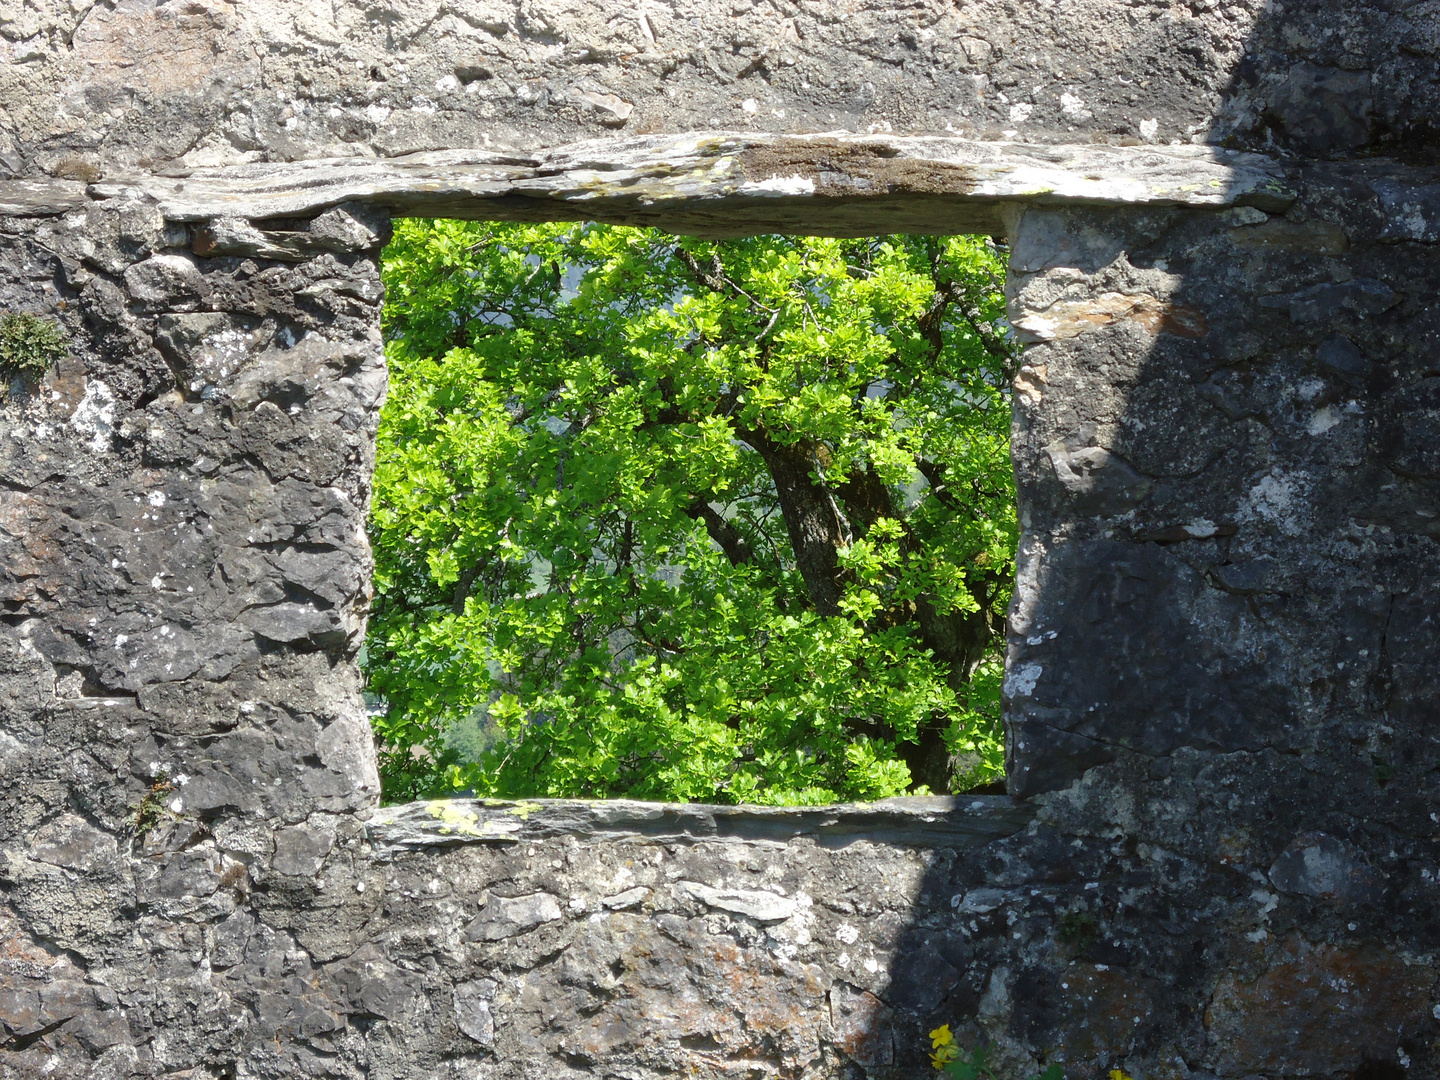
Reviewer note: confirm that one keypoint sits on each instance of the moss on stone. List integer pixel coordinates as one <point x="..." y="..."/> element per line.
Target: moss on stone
<point x="1078" y="930"/>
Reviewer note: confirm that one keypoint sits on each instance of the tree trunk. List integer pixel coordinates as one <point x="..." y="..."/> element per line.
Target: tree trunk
<point x="958" y="640"/>
<point x="816" y="529"/>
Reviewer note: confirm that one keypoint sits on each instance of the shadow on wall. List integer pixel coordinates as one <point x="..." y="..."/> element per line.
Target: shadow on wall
<point x="1328" y="80"/>
<point x="1224" y="444"/>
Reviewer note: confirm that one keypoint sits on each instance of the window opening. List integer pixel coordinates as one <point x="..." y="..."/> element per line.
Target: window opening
<point x="690" y="520"/>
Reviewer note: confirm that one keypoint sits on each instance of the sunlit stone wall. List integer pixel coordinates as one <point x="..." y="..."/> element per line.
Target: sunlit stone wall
<point x="1219" y="856"/>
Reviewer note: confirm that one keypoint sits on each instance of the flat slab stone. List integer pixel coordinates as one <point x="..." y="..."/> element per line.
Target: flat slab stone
<point x="726" y="183"/>
<point x="953" y="822"/>
<point x="32" y="198"/>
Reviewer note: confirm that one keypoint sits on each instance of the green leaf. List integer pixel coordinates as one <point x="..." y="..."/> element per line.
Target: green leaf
<point x="970" y="1068"/>
<point x="585" y="581"/>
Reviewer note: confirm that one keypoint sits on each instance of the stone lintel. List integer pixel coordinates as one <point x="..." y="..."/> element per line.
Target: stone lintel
<point x="958" y="823"/>
<point x="713" y="183"/>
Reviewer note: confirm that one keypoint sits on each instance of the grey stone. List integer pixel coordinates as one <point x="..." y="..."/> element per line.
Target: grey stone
<point x="73" y="843"/>
<point x="1360" y="297"/>
<point x="863" y="1026"/>
<point x="243" y="837"/>
<point x="919" y="821"/>
<point x="293" y="621"/>
<point x="981" y="901"/>
<point x="473" y="1015"/>
<point x="1323" y="109"/>
<point x="375" y="987"/>
<point x="1101" y="481"/>
<point x="1050" y="239"/>
<point x="521" y="80"/>
<point x="1315" y="864"/>
<point x="231" y="938"/>
<point x="1343" y="356"/>
<point x="184" y="336"/>
<point x="728" y="184"/>
<point x="505" y="917"/>
<point x="627" y="899"/>
<point x="753" y="904"/>
<point x="347" y="229"/>
<point x="176" y="874"/>
<point x="302" y="1014"/>
<point x="1144" y="679"/>
<point x="1412" y="211"/>
<point x="301" y="849"/>
<point x="41" y="197"/>
<point x="162" y="279"/>
<point x="1412" y="428"/>
<point x="1246" y="575"/>
<point x="237" y="236"/>
<point x="353" y="227"/>
<point x="921" y="978"/>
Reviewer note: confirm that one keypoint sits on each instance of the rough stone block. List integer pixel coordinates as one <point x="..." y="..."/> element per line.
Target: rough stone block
<point x="505" y="917"/>
<point x="1319" y="1010"/>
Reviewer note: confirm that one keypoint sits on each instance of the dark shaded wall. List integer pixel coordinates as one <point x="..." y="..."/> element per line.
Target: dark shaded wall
<point x="1227" y="578"/>
<point x="1227" y="581"/>
<point x="1237" y="519"/>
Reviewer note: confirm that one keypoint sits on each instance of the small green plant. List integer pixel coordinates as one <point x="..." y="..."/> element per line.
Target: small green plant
<point x="1384" y="772"/>
<point x="151" y="809"/>
<point x="951" y="1061"/>
<point x="1078" y="930"/>
<point x="29" y="344"/>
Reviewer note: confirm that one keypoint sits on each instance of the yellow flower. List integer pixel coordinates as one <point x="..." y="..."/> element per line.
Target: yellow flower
<point x="1120" y="1074"/>
<point x="941" y="1037"/>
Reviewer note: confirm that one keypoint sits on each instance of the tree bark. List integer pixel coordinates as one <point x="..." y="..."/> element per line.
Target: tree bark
<point x="816" y="529"/>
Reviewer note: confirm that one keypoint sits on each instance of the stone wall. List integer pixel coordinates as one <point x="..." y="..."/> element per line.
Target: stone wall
<point x="90" y="87"/>
<point x="1219" y="858"/>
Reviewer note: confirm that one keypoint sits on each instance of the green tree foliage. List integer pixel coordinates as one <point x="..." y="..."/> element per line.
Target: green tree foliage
<point x="689" y="520"/>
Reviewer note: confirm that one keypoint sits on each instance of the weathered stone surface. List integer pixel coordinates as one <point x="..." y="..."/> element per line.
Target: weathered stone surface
<point x="1319" y="865"/>
<point x="1221" y="688"/>
<point x="763" y="907"/>
<point x="1320" y="1011"/>
<point x="89" y="89"/>
<point x="300" y="850"/>
<point x="961" y="822"/>
<point x="69" y="841"/>
<point x="862" y="1026"/>
<point x="505" y="917"/>
<point x="627" y="899"/>
<point x="727" y="180"/>
<point x="157" y="752"/>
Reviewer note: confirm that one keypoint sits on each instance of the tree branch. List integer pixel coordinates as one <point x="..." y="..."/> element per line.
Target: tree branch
<point x="730" y="539"/>
<point x="934" y="473"/>
<point x="817" y="532"/>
